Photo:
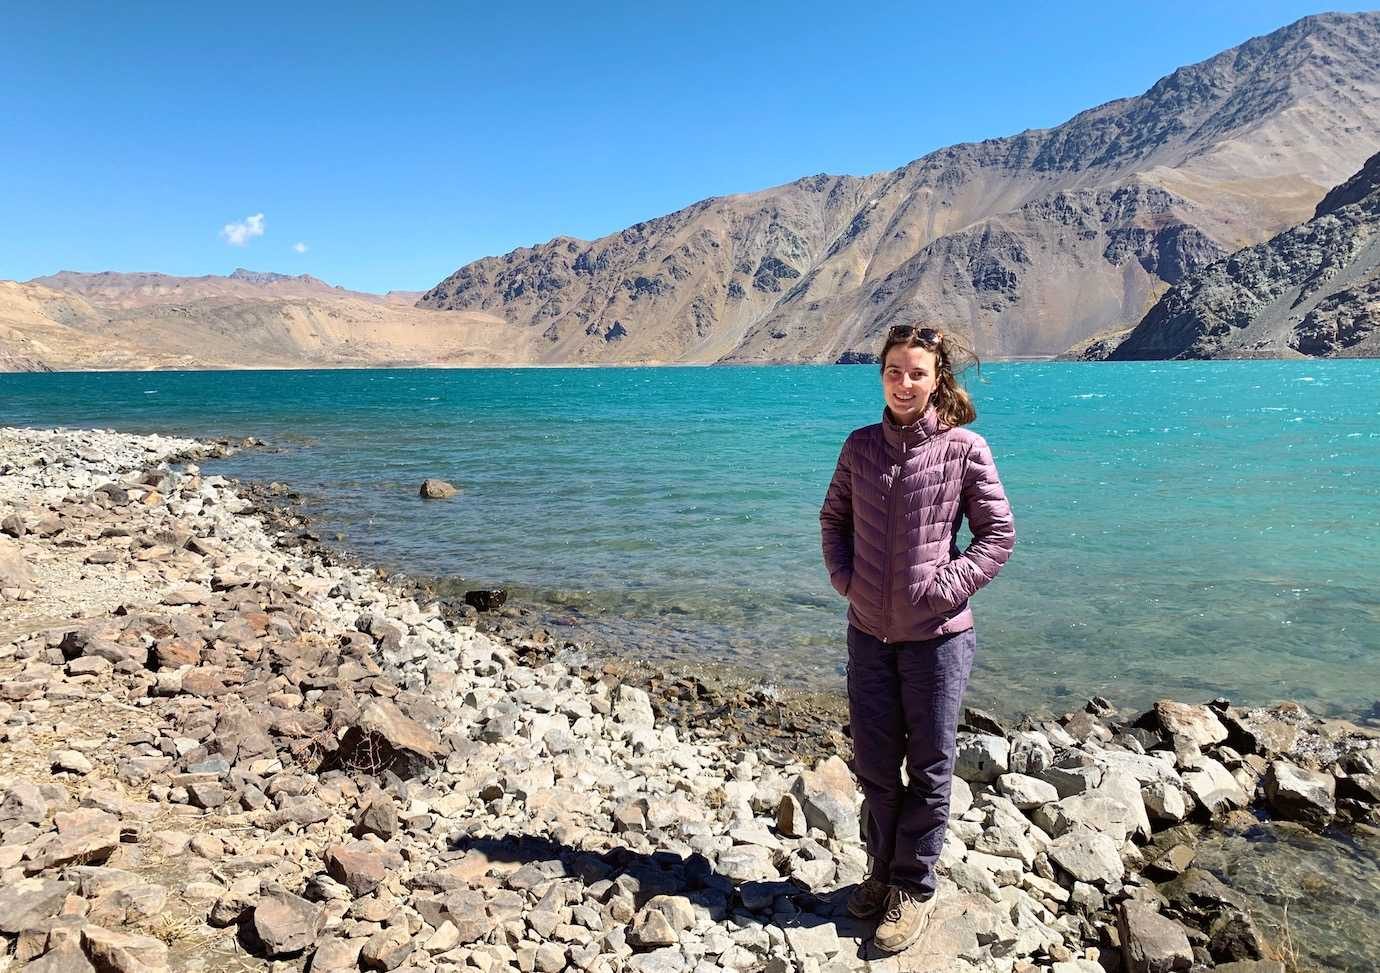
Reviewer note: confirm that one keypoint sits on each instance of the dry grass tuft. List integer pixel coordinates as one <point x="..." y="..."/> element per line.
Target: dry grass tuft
<point x="1279" y="944"/>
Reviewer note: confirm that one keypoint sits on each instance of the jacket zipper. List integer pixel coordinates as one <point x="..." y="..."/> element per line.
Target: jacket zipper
<point x="896" y="471"/>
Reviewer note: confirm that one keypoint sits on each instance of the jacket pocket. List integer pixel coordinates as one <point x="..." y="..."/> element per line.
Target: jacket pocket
<point x="842" y="580"/>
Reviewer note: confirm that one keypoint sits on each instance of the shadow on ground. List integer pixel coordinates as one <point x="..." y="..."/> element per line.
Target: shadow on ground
<point x="809" y="921"/>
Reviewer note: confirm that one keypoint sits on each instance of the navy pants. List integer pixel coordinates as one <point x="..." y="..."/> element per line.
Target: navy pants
<point x="903" y="705"/>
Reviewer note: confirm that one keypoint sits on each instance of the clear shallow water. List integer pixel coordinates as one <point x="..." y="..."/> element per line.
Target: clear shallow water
<point x="1317" y="891"/>
<point x="1184" y="529"/>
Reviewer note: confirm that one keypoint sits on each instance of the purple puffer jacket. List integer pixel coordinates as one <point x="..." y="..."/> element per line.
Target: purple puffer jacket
<point x="890" y="522"/>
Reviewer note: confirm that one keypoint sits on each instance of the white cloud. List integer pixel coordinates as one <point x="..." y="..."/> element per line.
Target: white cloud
<point x="300" y="247"/>
<point x="239" y="234"/>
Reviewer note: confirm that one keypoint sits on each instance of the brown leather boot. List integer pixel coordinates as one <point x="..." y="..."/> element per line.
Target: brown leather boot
<point x="906" y="917"/>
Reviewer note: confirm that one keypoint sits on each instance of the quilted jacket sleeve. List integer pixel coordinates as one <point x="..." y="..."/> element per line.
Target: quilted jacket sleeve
<point x="836" y="523"/>
<point x="994" y="534"/>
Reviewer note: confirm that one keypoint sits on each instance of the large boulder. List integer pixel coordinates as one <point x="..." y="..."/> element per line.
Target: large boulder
<point x="1300" y="794"/>
<point x="1196" y="726"/>
<point x="433" y="489"/>
<point x="1150" y="942"/>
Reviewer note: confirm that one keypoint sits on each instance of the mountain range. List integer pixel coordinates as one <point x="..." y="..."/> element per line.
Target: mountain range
<point x="1023" y="246"/>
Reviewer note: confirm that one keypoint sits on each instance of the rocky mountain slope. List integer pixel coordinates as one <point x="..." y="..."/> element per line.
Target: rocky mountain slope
<point x="71" y="321"/>
<point x="1027" y="243"/>
<point x="1312" y="290"/>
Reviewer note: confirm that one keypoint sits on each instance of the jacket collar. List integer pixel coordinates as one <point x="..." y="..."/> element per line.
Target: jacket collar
<point x="917" y="432"/>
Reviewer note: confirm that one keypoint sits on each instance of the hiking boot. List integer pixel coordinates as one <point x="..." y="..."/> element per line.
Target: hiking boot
<point x="868" y="898"/>
<point x="906" y="917"/>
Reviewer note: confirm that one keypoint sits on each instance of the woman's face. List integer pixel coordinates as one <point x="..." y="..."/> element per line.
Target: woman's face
<point x="908" y="379"/>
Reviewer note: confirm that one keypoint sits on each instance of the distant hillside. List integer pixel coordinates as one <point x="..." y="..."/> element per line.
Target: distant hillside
<point x="1312" y="290"/>
<point x="111" y="289"/>
<point x="1027" y="244"/>
<point x="72" y="321"/>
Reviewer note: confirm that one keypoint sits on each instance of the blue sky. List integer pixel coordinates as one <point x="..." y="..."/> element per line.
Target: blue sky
<point x="398" y="141"/>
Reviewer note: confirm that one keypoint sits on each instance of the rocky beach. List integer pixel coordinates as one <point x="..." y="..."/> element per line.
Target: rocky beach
<point x="224" y="746"/>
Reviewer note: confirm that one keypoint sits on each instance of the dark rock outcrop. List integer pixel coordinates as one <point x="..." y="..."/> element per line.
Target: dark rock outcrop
<point x="1313" y="290"/>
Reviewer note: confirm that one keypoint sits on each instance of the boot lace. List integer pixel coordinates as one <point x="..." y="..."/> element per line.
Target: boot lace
<point x="900" y="898"/>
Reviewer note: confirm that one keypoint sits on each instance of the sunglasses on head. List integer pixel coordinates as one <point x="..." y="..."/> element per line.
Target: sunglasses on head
<point x="926" y="336"/>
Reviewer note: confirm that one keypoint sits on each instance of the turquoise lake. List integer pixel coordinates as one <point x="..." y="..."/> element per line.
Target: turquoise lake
<point x="1184" y="529"/>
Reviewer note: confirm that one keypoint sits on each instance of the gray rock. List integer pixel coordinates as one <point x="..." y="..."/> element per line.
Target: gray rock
<point x="982" y="758"/>
<point x="632" y="707"/>
<point x="1194" y="725"/>
<point x="1299" y="794"/>
<point x="1031" y="752"/>
<point x="1096" y="811"/>
<point x="817" y="939"/>
<point x="1026" y="792"/>
<point x="386" y="949"/>
<point x="119" y="952"/>
<point x="1087" y="856"/>
<point x="286" y="924"/>
<point x="651" y="928"/>
<point x="668" y="959"/>
<point x="828" y="796"/>
<point x="23" y="802"/>
<point x="1125" y="789"/>
<point x="1213" y="787"/>
<point x="1150" y="942"/>
<point x="361" y="866"/>
<point x="1069" y="781"/>
<point x="29" y="901"/>
<point x="1165" y="801"/>
<point x="432" y="489"/>
<point x="746" y="863"/>
<point x="975" y="879"/>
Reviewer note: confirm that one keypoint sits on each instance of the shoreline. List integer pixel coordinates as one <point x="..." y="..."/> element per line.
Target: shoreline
<point x="181" y="773"/>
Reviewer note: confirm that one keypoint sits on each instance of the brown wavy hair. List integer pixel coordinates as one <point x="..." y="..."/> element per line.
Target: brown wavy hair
<point x="951" y="401"/>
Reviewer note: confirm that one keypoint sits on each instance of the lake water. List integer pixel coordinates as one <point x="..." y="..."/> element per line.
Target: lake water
<point x="1184" y="529"/>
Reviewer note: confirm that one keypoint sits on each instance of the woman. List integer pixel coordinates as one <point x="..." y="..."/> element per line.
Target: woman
<point x="890" y="525"/>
